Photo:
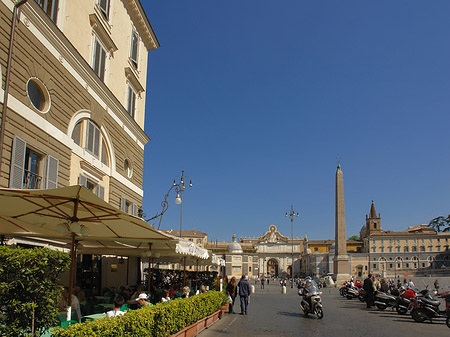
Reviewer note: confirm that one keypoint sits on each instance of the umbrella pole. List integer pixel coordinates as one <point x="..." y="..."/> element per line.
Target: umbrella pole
<point x="73" y="255"/>
<point x="184" y="272"/>
<point x="149" y="275"/>
<point x="196" y="277"/>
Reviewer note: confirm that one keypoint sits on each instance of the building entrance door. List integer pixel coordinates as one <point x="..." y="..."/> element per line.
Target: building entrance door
<point x="272" y="267"/>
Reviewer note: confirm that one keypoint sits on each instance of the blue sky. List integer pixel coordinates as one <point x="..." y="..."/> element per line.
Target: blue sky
<point x="255" y="99"/>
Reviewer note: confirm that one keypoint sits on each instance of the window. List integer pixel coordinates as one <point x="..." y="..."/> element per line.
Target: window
<point x="131" y="104"/>
<point x="374" y="266"/>
<point x="104" y="8"/>
<point x="430" y="248"/>
<point x="128" y="207"/>
<point x="134" y="48"/>
<point x="88" y="135"/>
<point x="390" y="249"/>
<point x="390" y="265"/>
<point x="406" y="241"/>
<point x="90" y="184"/>
<point x="406" y="249"/>
<point x="99" y="62"/>
<point x="407" y="265"/>
<point x="382" y="249"/>
<point x="316" y="249"/>
<point x="390" y="241"/>
<point x="373" y="241"/>
<point x="398" y="240"/>
<point x="32" y="168"/>
<point x="199" y="241"/>
<point x="438" y="248"/>
<point x="38" y="95"/>
<point x="398" y="249"/>
<point x="365" y="268"/>
<point x="50" y="7"/>
<point x="422" y="248"/>
<point x="414" y="248"/>
<point x="439" y="240"/>
<point x="191" y="239"/>
<point x="382" y="241"/>
<point x="423" y="240"/>
<point x="374" y="249"/>
<point x="375" y="225"/>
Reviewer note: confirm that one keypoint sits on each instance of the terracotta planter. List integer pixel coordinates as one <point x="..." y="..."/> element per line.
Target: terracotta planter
<point x="194" y="329"/>
<point x="201" y="325"/>
<point x="223" y="310"/>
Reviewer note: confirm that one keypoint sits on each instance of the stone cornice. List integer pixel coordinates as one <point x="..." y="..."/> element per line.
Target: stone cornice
<point x="98" y="26"/>
<point x="143" y="26"/>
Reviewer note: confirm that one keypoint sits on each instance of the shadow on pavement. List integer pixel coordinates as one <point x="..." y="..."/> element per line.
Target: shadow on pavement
<point x="290" y="314"/>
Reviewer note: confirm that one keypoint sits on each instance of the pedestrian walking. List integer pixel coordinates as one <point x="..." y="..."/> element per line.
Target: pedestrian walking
<point x="244" y="294"/>
<point x="263" y="280"/>
<point x="436" y="285"/>
<point x="231" y="292"/>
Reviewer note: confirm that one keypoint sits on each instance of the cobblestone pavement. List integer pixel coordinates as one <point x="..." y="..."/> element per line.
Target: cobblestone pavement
<point x="274" y="314"/>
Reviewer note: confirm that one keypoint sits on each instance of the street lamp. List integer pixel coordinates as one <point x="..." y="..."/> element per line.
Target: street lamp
<point x="291" y="215"/>
<point x="179" y="199"/>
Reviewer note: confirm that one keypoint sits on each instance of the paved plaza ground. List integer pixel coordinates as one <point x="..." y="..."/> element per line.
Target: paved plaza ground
<point x="274" y="314"/>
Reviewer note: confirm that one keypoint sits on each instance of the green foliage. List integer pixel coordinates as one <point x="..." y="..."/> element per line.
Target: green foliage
<point x="439" y="222"/>
<point x="28" y="283"/>
<point x="354" y="237"/>
<point x="163" y="319"/>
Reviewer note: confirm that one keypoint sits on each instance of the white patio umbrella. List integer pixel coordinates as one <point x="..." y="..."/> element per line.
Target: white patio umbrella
<point x="74" y="213"/>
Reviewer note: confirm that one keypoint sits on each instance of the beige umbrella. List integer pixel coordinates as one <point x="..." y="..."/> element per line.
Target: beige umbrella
<point x="71" y="212"/>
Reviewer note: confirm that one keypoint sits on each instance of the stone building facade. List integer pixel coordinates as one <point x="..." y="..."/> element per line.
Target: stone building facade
<point x="76" y="107"/>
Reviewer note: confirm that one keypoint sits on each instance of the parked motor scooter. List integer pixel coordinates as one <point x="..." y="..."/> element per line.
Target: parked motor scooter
<point x="426" y="308"/>
<point x="384" y="300"/>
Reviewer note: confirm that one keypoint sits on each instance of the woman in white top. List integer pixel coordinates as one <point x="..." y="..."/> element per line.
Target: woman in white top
<point x="165" y="296"/>
<point x="118" y="302"/>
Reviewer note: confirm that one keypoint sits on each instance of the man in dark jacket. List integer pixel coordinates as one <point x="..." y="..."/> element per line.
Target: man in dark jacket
<point x="369" y="289"/>
<point x="244" y="294"/>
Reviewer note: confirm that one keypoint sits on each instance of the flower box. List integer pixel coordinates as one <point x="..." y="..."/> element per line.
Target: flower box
<point x="194" y="329"/>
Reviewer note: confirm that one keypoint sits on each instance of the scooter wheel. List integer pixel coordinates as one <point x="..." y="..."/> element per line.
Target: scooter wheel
<point x="418" y="316"/>
<point x="362" y="299"/>
<point x="380" y="307"/>
<point x="349" y="297"/>
<point x="401" y="311"/>
<point x="448" y="322"/>
<point x="319" y="313"/>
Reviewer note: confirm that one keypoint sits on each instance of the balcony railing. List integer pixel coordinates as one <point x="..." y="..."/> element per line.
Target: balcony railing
<point x="31" y="180"/>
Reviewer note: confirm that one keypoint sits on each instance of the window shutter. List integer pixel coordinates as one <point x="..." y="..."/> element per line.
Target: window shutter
<point x="123" y="204"/>
<point x="52" y="172"/>
<point x="101" y="192"/>
<point x="82" y="180"/>
<point x="17" y="163"/>
<point x="134" y="209"/>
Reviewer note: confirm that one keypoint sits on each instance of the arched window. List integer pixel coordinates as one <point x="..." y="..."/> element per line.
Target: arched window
<point x="88" y="135"/>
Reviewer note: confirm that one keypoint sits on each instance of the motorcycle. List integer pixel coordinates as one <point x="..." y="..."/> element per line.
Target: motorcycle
<point x="405" y="300"/>
<point x="314" y="306"/>
<point x="343" y="290"/>
<point x="352" y="292"/>
<point x="428" y="308"/>
<point x="384" y="300"/>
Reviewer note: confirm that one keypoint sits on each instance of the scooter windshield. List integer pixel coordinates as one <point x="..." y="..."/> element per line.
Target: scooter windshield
<point x="313" y="288"/>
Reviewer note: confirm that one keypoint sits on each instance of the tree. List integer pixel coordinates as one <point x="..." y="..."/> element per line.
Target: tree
<point x="354" y="237"/>
<point x="29" y="289"/>
<point x="439" y="222"/>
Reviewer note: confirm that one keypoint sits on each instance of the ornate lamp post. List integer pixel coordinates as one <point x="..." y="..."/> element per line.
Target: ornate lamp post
<point x="179" y="199"/>
<point x="292" y="214"/>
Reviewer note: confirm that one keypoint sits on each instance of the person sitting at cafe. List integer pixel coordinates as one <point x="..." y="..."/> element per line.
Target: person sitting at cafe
<point x="117" y="304"/>
<point x="143" y="300"/>
<point x="202" y="290"/>
<point x="165" y="296"/>
<point x="64" y="303"/>
<point x="126" y="293"/>
<point x="79" y="294"/>
<point x="133" y="302"/>
<point x="186" y="291"/>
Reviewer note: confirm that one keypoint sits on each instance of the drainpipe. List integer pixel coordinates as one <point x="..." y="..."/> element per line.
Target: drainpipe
<point x="8" y="75"/>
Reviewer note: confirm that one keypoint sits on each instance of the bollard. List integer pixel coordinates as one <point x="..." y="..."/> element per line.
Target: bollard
<point x="252" y="287"/>
<point x="283" y="290"/>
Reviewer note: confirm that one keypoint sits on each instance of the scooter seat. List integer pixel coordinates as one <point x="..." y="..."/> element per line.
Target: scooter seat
<point x="431" y="302"/>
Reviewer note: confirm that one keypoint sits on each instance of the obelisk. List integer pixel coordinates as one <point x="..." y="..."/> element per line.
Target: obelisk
<point x="341" y="268"/>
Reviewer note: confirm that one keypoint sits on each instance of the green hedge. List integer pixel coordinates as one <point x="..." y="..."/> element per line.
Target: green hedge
<point x="163" y="319"/>
<point x="28" y="283"/>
